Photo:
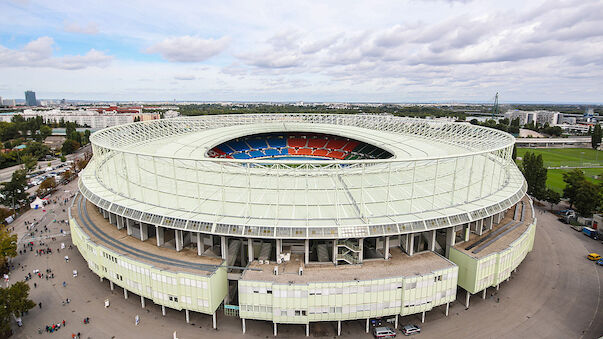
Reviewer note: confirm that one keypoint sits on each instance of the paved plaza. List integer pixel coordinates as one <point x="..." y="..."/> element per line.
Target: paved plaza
<point x="556" y="293"/>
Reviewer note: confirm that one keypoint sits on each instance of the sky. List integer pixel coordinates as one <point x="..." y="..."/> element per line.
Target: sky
<point x="327" y="51"/>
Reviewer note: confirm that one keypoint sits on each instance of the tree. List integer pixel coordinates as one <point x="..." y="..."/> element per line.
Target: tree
<point x="573" y="180"/>
<point x="595" y="138"/>
<point x="8" y="246"/>
<point x="14" y="191"/>
<point x="14" y="301"/>
<point x="45" y="131"/>
<point x="66" y="175"/>
<point x="29" y="162"/>
<point x="69" y="146"/>
<point x="63" y="158"/>
<point x="535" y="173"/>
<point x="587" y="198"/>
<point x="46" y="185"/>
<point x="552" y="197"/>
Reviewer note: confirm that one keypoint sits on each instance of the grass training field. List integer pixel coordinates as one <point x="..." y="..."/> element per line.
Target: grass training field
<point x="567" y="157"/>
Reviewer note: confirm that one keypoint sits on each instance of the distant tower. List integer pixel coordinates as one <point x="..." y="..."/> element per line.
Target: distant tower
<point x="30" y="98"/>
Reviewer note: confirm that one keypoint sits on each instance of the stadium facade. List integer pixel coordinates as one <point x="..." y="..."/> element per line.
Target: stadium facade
<point x="302" y="218"/>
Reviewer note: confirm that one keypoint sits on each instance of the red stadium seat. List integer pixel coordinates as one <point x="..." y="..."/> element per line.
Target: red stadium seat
<point x="317" y="143"/>
<point x="350" y="146"/>
<point x="335" y="144"/>
<point x="296" y="142"/>
<point x="320" y="152"/>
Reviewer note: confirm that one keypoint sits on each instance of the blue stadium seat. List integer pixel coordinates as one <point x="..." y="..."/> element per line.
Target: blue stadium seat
<point x="257" y="154"/>
<point x="241" y="156"/>
<point x="284" y="151"/>
<point x="257" y="143"/>
<point x="277" y="142"/>
<point x="271" y="151"/>
<point x="238" y="145"/>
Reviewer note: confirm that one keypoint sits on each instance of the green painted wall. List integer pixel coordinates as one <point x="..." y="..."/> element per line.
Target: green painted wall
<point x="329" y="301"/>
<point x="176" y="290"/>
<point x="477" y="274"/>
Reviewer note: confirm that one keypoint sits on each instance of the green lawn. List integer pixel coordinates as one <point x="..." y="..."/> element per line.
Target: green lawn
<point x="571" y="157"/>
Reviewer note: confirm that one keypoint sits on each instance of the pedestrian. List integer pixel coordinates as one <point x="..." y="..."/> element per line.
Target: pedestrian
<point x="137" y="320"/>
<point x="63" y="323"/>
<point x="64" y="284"/>
<point x="35" y="285"/>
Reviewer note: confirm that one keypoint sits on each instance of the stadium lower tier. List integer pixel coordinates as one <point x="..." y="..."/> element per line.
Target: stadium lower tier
<point x="279" y="145"/>
<point x="302" y="281"/>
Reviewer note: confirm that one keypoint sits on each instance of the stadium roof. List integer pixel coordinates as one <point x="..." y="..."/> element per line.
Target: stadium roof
<point x="441" y="174"/>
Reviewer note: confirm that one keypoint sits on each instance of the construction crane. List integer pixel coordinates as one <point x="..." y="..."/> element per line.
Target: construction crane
<point x="495" y="107"/>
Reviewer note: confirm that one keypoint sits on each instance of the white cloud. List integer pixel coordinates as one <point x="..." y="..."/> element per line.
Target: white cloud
<point x="39" y="53"/>
<point x="74" y="27"/>
<point x="188" y="48"/>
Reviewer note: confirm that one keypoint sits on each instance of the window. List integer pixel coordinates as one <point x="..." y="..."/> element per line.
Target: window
<point x="269" y="291"/>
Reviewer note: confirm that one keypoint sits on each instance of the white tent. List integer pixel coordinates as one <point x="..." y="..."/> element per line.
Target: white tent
<point x="38" y="203"/>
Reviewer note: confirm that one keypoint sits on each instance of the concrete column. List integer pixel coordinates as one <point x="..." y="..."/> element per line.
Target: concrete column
<point x="432" y="240"/>
<point x="361" y="246"/>
<point x="141" y="301"/>
<point x="160" y="235"/>
<point x="178" y="240"/>
<point x="497" y="286"/>
<point x="490" y="222"/>
<point x="112" y="218"/>
<point x="125" y="294"/>
<point x="450" y="240"/>
<point x="188" y="319"/>
<point x="411" y="244"/>
<point x="278" y="250"/>
<point x="224" y="247"/>
<point x="484" y="293"/>
<point x="480" y="226"/>
<point x="213" y="320"/>
<point x="163" y="310"/>
<point x="307" y="251"/>
<point x="467" y="231"/>
<point x="447" y="307"/>
<point x="120" y="222"/>
<point x="423" y="317"/>
<point x="274" y="329"/>
<point x="338" y="327"/>
<point x="367" y="325"/>
<point x="386" y="248"/>
<point x="250" y="253"/>
<point x="467" y="299"/>
<point x="243" y="323"/>
<point x="335" y="251"/>
<point x="200" y="245"/>
<point x="307" y="329"/>
<point x="101" y="279"/>
<point x="144" y="231"/>
<point x="396" y="322"/>
<point x="105" y="214"/>
<point x="110" y="284"/>
<point x="129" y="227"/>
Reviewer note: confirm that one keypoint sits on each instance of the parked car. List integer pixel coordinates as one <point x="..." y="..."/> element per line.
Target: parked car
<point x="593" y="256"/>
<point x="600" y="262"/>
<point x="384" y="332"/>
<point x="589" y="232"/>
<point x="410" y="329"/>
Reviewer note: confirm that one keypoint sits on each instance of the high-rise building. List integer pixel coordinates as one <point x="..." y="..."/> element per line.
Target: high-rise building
<point x="30" y="98"/>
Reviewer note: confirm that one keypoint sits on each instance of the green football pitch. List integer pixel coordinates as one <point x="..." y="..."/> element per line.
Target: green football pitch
<point x="567" y="157"/>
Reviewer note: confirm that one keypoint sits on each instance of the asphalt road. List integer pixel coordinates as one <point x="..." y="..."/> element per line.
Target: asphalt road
<point x="6" y="173"/>
<point x="555" y="293"/>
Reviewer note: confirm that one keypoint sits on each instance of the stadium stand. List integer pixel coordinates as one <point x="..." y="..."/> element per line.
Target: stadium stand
<point x="278" y="145"/>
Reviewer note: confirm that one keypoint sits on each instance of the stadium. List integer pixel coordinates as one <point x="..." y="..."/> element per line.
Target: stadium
<point x="302" y="218"/>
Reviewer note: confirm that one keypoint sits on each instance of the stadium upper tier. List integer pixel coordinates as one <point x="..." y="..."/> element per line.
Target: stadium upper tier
<point x="288" y="145"/>
<point x="425" y="175"/>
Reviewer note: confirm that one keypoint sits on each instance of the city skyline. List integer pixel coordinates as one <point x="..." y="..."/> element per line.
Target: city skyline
<point x="432" y="51"/>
